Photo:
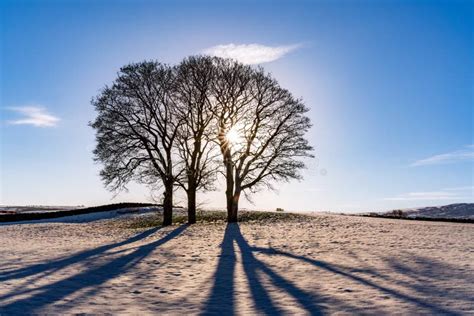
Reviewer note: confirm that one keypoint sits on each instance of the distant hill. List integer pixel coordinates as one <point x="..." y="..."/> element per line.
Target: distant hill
<point x="28" y="213"/>
<point x="459" y="211"/>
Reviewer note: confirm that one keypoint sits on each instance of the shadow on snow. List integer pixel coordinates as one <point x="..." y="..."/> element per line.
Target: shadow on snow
<point x="221" y="300"/>
<point x="91" y="277"/>
<point x="223" y="288"/>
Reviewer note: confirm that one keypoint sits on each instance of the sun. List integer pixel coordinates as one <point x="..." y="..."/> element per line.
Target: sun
<point x="234" y="137"/>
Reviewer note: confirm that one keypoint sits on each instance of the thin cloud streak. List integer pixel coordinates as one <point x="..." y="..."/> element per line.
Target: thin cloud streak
<point x="465" y="154"/>
<point x="34" y="116"/>
<point x="466" y="188"/>
<point x="250" y="53"/>
<point x="444" y="194"/>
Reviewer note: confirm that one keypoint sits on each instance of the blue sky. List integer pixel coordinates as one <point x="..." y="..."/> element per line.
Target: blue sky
<point x="389" y="85"/>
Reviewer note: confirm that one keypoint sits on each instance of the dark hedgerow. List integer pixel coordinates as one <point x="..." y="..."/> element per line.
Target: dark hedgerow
<point x="213" y="217"/>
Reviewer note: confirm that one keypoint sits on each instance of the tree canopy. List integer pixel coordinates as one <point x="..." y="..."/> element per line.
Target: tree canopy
<point x="165" y="125"/>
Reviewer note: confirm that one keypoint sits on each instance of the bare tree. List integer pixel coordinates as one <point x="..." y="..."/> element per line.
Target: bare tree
<point x="197" y="151"/>
<point x="136" y="129"/>
<point x="158" y="125"/>
<point x="261" y="129"/>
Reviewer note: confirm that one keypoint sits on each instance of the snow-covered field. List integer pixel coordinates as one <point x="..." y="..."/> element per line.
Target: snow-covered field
<point x="327" y="265"/>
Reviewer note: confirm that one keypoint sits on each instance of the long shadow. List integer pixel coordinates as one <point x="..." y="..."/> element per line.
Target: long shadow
<point x="425" y="276"/>
<point x="426" y="272"/>
<point x="431" y="308"/>
<point x="223" y="288"/>
<point x="55" y="265"/>
<point x="91" y="277"/>
<point x="222" y="297"/>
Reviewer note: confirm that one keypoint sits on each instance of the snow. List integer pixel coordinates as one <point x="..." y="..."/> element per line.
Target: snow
<point x="329" y="264"/>
<point x="91" y="217"/>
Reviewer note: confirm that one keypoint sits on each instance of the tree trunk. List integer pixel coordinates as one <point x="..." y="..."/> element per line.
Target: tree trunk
<point x="229" y="193"/>
<point x="168" y="204"/>
<point x="231" y="210"/>
<point x="233" y="207"/>
<point x="191" y="205"/>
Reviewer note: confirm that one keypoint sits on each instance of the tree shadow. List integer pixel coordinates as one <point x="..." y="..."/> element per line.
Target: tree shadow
<point x="421" y="272"/>
<point x="425" y="305"/>
<point x="93" y="276"/>
<point x="222" y="301"/>
<point x="222" y="297"/>
<point x="58" y="264"/>
<point x="434" y="280"/>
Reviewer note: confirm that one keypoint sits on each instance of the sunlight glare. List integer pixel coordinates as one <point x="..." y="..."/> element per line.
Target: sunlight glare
<point x="234" y="137"/>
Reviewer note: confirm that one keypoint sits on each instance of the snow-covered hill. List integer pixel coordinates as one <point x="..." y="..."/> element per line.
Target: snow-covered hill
<point x="459" y="210"/>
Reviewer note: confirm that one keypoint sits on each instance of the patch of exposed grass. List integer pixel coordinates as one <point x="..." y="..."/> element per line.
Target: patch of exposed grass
<point x="217" y="217"/>
<point x="142" y="222"/>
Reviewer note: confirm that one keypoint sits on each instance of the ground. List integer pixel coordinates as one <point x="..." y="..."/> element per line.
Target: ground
<point x="327" y="264"/>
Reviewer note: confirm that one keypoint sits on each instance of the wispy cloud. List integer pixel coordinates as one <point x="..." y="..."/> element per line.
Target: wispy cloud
<point x="466" y="188"/>
<point x="465" y="154"/>
<point x="33" y="115"/>
<point x="250" y="53"/>
<point x="458" y="193"/>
